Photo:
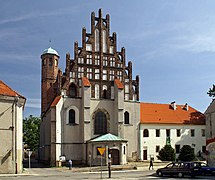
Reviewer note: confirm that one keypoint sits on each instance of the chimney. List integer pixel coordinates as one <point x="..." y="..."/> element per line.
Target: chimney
<point x="173" y="105"/>
<point x="186" y="107"/>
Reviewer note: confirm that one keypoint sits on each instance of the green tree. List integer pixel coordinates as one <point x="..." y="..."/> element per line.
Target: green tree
<point x="31" y="132"/>
<point x="186" y="153"/>
<point x="211" y="91"/>
<point x="167" y="153"/>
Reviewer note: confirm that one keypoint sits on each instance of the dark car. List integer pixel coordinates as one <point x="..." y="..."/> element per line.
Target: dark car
<point x="180" y="169"/>
<point x="205" y="169"/>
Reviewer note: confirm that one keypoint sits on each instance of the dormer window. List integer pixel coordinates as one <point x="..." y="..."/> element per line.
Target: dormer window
<point x="72" y="90"/>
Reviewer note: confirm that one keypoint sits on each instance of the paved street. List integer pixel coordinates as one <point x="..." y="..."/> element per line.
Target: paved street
<point x="62" y="173"/>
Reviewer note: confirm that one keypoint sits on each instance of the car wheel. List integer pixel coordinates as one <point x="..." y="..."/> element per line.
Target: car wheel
<point x="159" y="173"/>
<point x="180" y="175"/>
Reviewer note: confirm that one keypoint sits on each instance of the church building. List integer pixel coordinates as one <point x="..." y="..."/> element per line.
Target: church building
<point x="93" y="104"/>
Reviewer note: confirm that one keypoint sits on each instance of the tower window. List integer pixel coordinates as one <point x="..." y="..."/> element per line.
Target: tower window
<point x="126" y="117"/>
<point x="89" y="59"/>
<point x="97" y="60"/>
<point x="104" y="41"/>
<point x="100" y="124"/>
<point x="104" y="74"/>
<point x="72" y="90"/>
<point x="89" y="73"/>
<point x="44" y="62"/>
<point x="50" y="61"/>
<point x="71" y="116"/>
<point x="111" y="75"/>
<point x="104" y="61"/>
<point x="96" y="40"/>
<point x="112" y="62"/>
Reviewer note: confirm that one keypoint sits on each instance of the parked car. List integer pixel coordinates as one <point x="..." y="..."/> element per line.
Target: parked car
<point x="205" y="169"/>
<point x="180" y="169"/>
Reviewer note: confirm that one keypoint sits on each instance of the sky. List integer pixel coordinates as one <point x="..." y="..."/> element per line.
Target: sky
<point x="171" y="44"/>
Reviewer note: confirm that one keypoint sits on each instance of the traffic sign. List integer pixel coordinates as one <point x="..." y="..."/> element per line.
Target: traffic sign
<point x="101" y="151"/>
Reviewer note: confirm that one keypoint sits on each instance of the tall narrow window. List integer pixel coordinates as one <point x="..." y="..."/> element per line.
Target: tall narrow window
<point x="203" y="132"/>
<point x="96" y="40"/>
<point x="97" y="60"/>
<point x="97" y="74"/>
<point x="104" y="94"/>
<point x="167" y="132"/>
<point x="178" y="132"/>
<point x="157" y="149"/>
<point x="177" y="148"/>
<point x="157" y="132"/>
<point x="72" y="90"/>
<point x="104" y="41"/>
<point x="145" y="133"/>
<point x="71" y="116"/>
<point x="126" y="117"/>
<point x="89" y="73"/>
<point x="104" y="74"/>
<point x="111" y="75"/>
<point x="97" y="91"/>
<point x="192" y="132"/>
<point x="100" y="124"/>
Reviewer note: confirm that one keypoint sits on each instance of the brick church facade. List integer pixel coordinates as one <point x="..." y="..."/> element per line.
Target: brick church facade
<point x="94" y="103"/>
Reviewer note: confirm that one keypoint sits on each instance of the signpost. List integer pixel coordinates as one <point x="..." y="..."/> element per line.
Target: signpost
<point x="101" y="151"/>
<point x="29" y="157"/>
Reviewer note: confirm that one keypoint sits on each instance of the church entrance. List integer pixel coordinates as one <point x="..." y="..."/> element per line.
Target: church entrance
<point x="114" y="156"/>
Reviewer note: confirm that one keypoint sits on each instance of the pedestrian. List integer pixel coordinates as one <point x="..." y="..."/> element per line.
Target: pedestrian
<point x="70" y="164"/>
<point x="151" y="165"/>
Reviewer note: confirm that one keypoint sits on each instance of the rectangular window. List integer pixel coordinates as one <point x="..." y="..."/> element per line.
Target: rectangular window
<point x="203" y="132"/>
<point x="81" y="60"/>
<point x="104" y="75"/>
<point x="123" y="149"/>
<point x="157" y="149"/>
<point x="89" y="59"/>
<point x="167" y="132"/>
<point x="96" y="73"/>
<point x="177" y="148"/>
<point x="111" y="75"/>
<point x="97" y="60"/>
<point x="178" y="132"/>
<point x="80" y="72"/>
<point x="89" y="73"/>
<point x="112" y="62"/>
<point x="111" y="49"/>
<point x="104" y="61"/>
<point x="119" y="75"/>
<point x="192" y="132"/>
<point x="88" y="47"/>
<point x="157" y="132"/>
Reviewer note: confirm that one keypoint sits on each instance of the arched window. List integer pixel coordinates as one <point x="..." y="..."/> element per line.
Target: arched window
<point x="104" y="41"/>
<point x="146" y="133"/>
<point x="104" y="93"/>
<point x="71" y="116"/>
<point x="72" y="90"/>
<point x="100" y="124"/>
<point x="96" y="40"/>
<point x="97" y="91"/>
<point x="126" y="117"/>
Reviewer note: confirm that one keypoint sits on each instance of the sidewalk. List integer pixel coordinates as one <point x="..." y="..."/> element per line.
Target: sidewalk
<point x="52" y="171"/>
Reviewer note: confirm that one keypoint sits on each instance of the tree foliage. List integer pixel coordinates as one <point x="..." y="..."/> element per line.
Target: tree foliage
<point x="31" y="132"/>
<point x="211" y="91"/>
<point x="167" y="153"/>
<point x="186" y="153"/>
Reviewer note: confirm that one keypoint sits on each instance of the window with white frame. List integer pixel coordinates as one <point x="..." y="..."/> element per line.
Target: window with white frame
<point x="111" y="49"/>
<point x="89" y="73"/>
<point x="104" y="61"/>
<point x="97" y="91"/>
<point x="89" y="59"/>
<point x="97" y="74"/>
<point x="97" y="60"/>
<point x="88" y="47"/>
<point x="81" y="60"/>
<point x="104" y="41"/>
<point x="80" y="72"/>
<point x="111" y="75"/>
<point x="112" y="62"/>
<point x="104" y="74"/>
<point x="96" y="40"/>
<point x="119" y="75"/>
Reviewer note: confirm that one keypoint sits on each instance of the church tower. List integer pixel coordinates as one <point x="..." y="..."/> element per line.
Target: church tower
<point x="49" y="63"/>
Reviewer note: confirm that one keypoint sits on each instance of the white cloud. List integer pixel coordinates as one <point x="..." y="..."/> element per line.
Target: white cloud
<point x="39" y="14"/>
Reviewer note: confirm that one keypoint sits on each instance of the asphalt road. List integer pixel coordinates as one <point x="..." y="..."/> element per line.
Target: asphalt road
<point x="54" y="174"/>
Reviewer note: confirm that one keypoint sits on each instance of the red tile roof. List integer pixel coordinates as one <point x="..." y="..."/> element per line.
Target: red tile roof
<point x="5" y="90"/>
<point x="56" y="100"/>
<point x="151" y="113"/>
<point x="119" y="84"/>
<point x="208" y="141"/>
<point x="86" y="82"/>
